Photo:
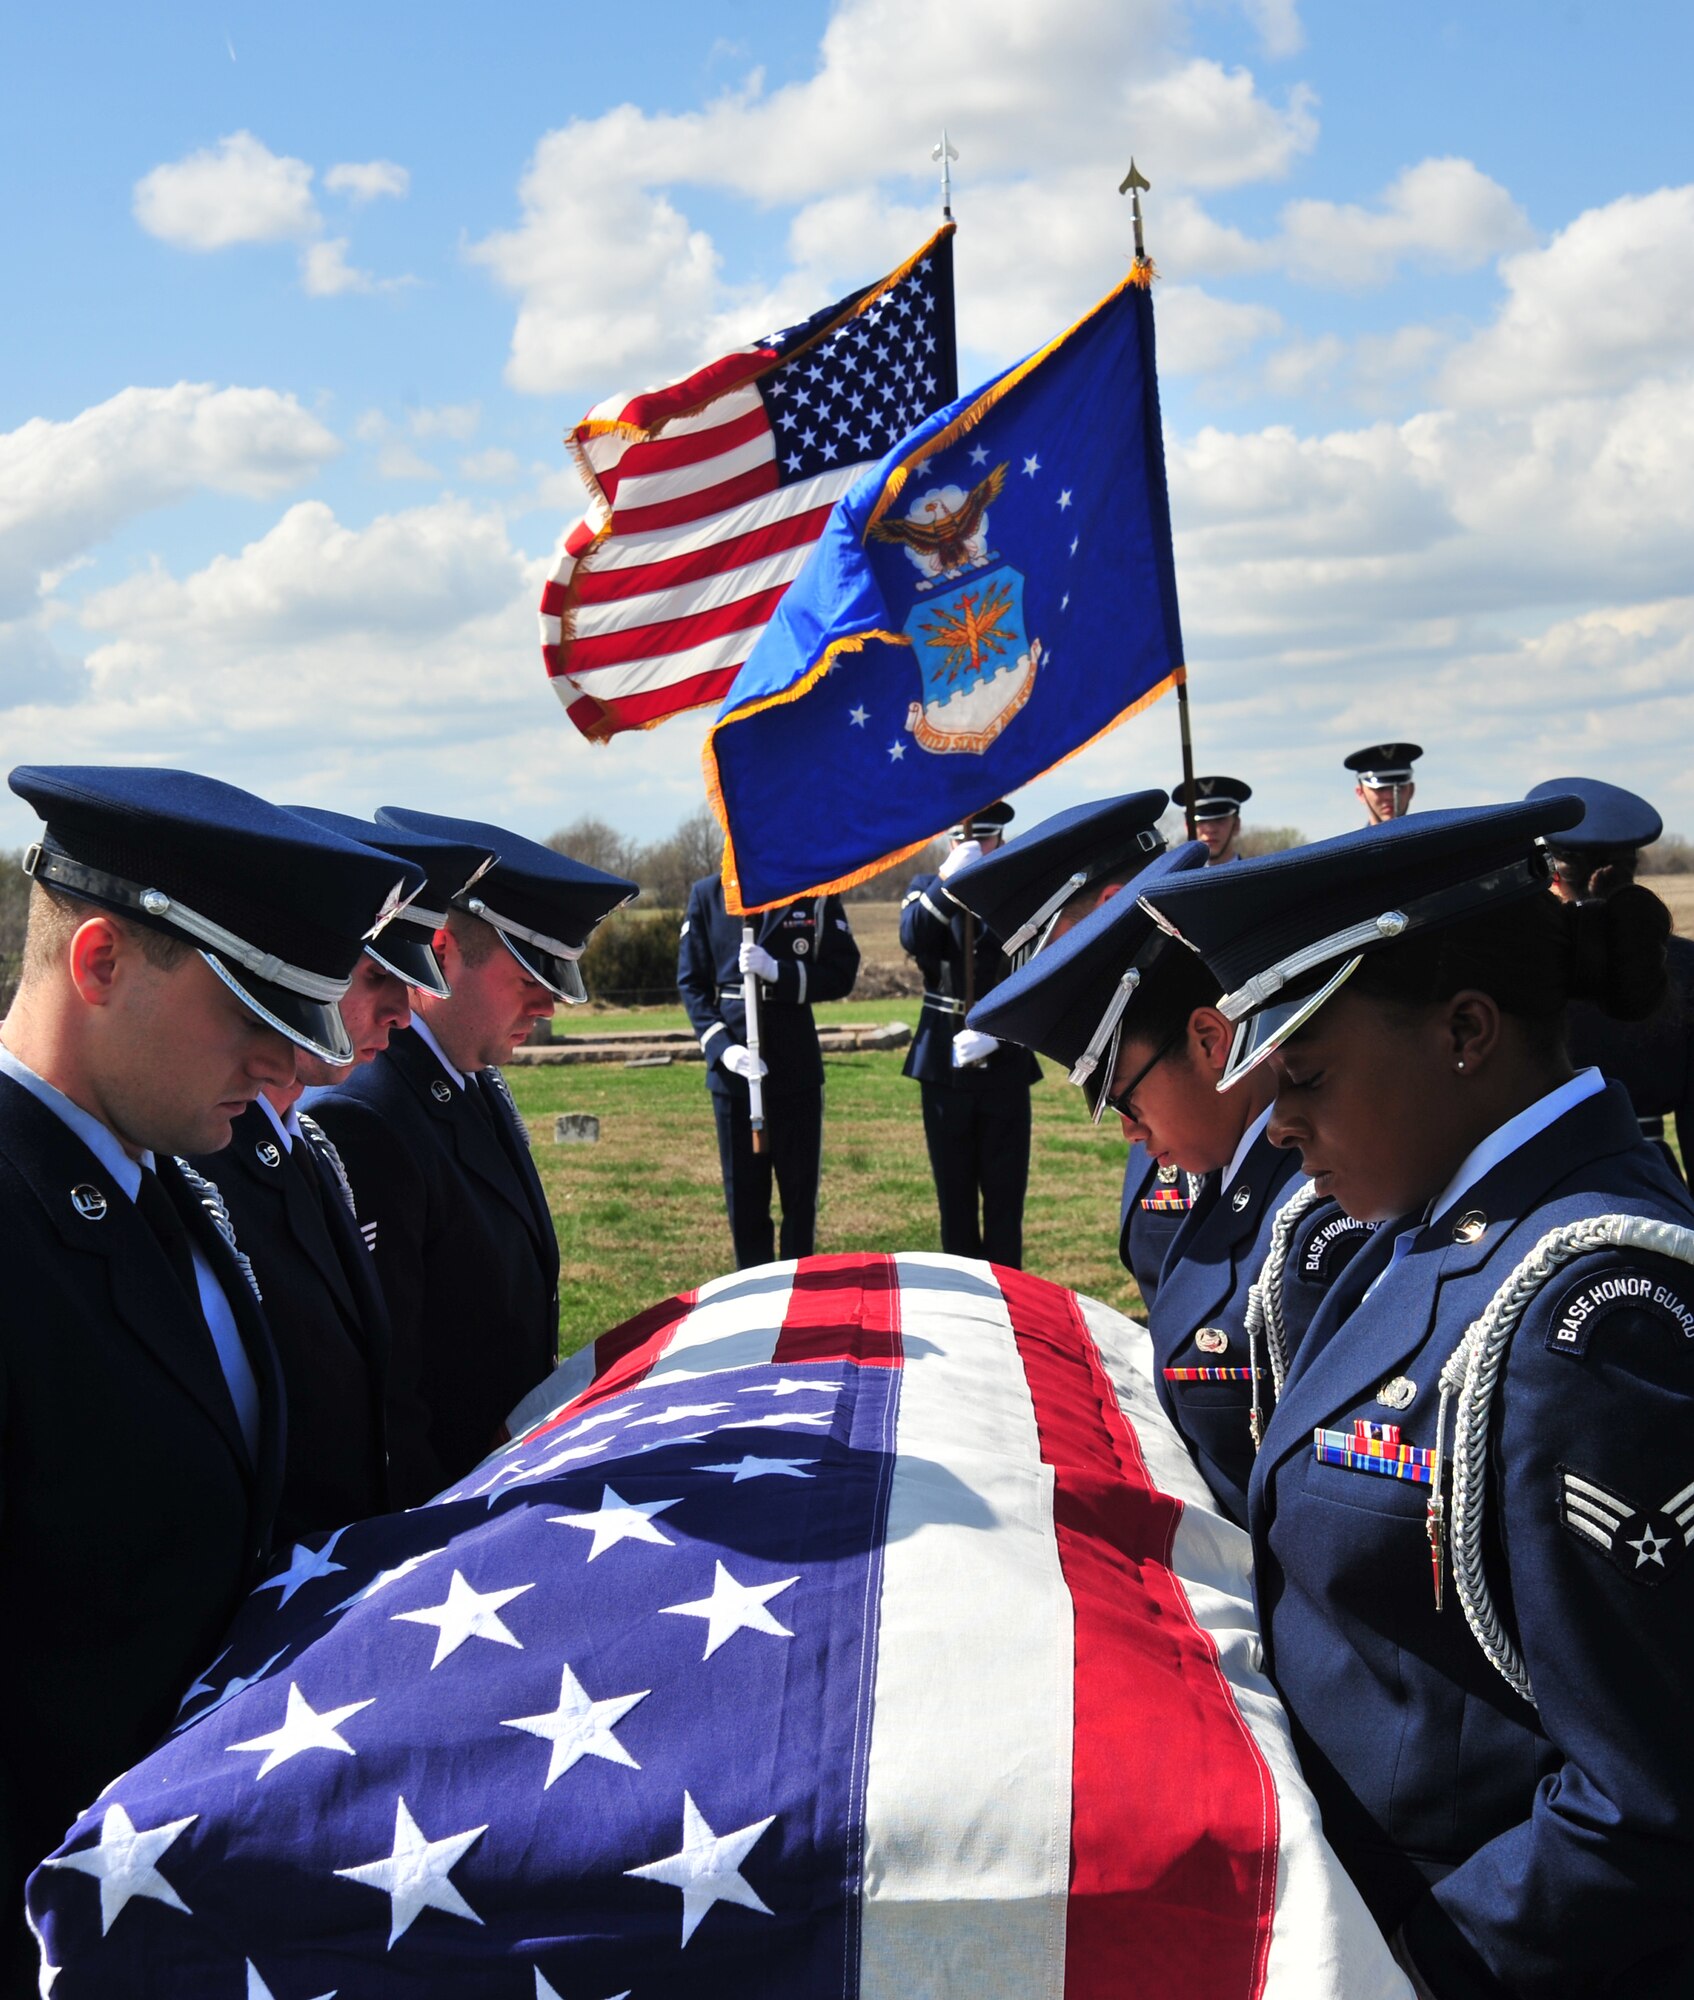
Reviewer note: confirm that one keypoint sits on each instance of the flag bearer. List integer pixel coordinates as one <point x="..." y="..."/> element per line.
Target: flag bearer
<point x="1384" y="784"/>
<point x="976" y="1120"/>
<point x="439" y="1157"/>
<point x="1217" y="803"/>
<point x="798" y="954"/>
<point x="184" y="940"/>
<point x="1471" y="1512"/>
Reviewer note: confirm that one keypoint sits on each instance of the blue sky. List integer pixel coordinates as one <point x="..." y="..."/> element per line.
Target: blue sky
<point x="300" y="302"/>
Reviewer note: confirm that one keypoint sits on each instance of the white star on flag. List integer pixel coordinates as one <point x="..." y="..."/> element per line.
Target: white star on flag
<point x="679" y="1413"/>
<point x="896" y="750"/>
<point x="1064" y="500"/>
<point x="304" y="1566"/>
<point x="580" y="1727"/>
<point x="979" y="454"/>
<point x="302" y="1728"/>
<point x="466" y="1614"/>
<point x="545" y="1990"/>
<point x="258" y="1990"/>
<point x="231" y="1688"/>
<point x="763" y="1468"/>
<point x="415" y="1875"/>
<point x="619" y="1520"/>
<point x="788" y="1385"/>
<point x="858" y="717"/>
<point x="1031" y="466"/>
<point x="707" y="1867"/>
<point x="123" y="1862"/>
<point x="384" y="1578"/>
<point x="734" y="1607"/>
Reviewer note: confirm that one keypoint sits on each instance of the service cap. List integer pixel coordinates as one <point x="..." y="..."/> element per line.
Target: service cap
<point x="543" y="905"/>
<point x="1019" y="890"/>
<point x="405" y="945"/>
<point x="1283" y="933"/>
<point x="992" y="819"/>
<point x="1611" y="817"/>
<point x="1384" y="763"/>
<point x="1070" y="1001"/>
<point x="278" y="908"/>
<point x="1212" y="798"/>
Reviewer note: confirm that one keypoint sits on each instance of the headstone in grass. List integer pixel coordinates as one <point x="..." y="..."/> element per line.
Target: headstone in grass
<point x="576" y="1128"/>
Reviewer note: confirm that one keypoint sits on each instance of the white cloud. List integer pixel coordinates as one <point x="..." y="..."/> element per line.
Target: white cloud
<point x="1445" y="213"/>
<point x="326" y="274"/>
<point x="1199" y="333"/>
<point x="457" y="421"/>
<point x="1278" y="25"/>
<point x="1609" y="300"/>
<point x="602" y="196"/>
<point x="237" y="191"/>
<point x="65" y="487"/>
<point x="367" y="180"/>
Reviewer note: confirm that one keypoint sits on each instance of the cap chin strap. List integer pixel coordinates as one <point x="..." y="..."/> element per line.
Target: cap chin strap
<point x="61" y="872"/>
<point x="1047" y="914"/>
<point x="556" y="946"/>
<point x="1089" y="1061"/>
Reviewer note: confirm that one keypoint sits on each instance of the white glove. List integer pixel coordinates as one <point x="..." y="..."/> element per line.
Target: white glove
<point x="756" y="960"/>
<point x="971" y="1045"/>
<point x="742" y="1062"/>
<point x="961" y="856"/>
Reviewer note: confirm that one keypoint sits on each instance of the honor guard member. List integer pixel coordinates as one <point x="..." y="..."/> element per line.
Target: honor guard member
<point x="1030" y="893"/>
<point x="1652" y="1059"/>
<point x="1471" y="1511"/>
<point x="1383" y="774"/>
<point x="185" y="940"/>
<point x="294" y="1213"/>
<point x="799" y="953"/>
<point x="976" y="1120"/>
<point x="1217" y="806"/>
<point x="437" y="1152"/>
<point x="1135" y="1018"/>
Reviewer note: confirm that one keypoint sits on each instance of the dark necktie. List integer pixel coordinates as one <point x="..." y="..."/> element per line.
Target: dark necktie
<point x="159" y="1213"/>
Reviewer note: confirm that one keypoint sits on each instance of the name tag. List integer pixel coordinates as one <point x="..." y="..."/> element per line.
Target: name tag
<point x="1375" y="1448"/>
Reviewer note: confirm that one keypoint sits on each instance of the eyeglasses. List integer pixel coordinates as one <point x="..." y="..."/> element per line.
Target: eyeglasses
<point x="1119" y="1100"/>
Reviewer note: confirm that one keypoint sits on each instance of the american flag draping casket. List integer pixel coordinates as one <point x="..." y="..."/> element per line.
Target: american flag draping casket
<point x="855" y="1627"/>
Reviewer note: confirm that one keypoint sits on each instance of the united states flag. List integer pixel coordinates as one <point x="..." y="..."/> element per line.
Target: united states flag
<point x="706" y="496"/>
<point x="849" y="1628"/>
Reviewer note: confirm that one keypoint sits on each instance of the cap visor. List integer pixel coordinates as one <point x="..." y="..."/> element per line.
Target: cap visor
<point x="561" y="976"/>
<point x="406" y="950"/>
<point x="313" y="1025"/>
<point x="1263" y="1033"/>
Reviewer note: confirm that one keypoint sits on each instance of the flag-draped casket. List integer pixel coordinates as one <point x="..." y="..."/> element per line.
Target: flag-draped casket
<point x="850" y="1627"/>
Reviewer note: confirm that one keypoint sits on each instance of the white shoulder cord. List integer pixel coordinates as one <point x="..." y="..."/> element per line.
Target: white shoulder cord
<point x="1264" y="1304"/>
<point x="1469" y="1379"/>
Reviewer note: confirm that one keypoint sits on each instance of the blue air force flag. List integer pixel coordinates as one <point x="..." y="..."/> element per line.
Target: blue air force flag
<point x="995" y="593"/>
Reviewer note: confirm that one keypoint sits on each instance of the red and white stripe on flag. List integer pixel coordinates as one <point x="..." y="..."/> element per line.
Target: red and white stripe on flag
<point x="1078" y="1784"/>
<point x="706" y="496"/>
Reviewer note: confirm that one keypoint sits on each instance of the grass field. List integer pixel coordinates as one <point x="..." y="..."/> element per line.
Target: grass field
<point x="640" y="1215"/>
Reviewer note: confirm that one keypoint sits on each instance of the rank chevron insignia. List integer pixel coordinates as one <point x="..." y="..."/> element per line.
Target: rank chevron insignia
<point x="1646" y="1543"/>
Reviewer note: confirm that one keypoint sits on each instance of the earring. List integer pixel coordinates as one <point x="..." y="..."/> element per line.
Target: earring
<point x="1459" y="1064"/>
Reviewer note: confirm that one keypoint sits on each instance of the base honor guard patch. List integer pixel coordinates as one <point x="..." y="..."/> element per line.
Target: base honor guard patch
<point x="1590" y="1304"/>
<point x="1646" y="1543"/>
<point x="1371" y="1447"/>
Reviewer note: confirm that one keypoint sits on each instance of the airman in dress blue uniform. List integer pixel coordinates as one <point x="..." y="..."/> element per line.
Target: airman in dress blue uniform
<point x="185" y="939"/>
<point x="1475" y="1499"/>
<point x="295" y="1214"/>
<point x="1031" y="892"/>
<point x="976" y="1118"/>
<point x="1217" y="803"/>
<point x="1134" y="1017"/>
<point x="799" y="953"/>
<point x="433" y="1143"/>
<point x="1383" y="782"/>
<point x="1652" y="1059"/>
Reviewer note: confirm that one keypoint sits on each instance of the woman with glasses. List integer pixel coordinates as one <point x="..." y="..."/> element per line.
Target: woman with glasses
<point x="1474" y="1502"/>
<point x="1135" y="1019"/>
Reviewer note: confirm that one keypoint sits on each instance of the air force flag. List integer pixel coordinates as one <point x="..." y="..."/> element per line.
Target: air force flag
<point x="998" y="591"/>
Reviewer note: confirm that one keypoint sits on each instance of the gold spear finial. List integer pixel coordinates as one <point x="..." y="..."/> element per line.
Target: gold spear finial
<point x="1132" y="184"/>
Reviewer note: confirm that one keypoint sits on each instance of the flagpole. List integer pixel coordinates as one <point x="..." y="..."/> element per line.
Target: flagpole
<point x="750" y="1005"/>
<point x="1132" y="184"/>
